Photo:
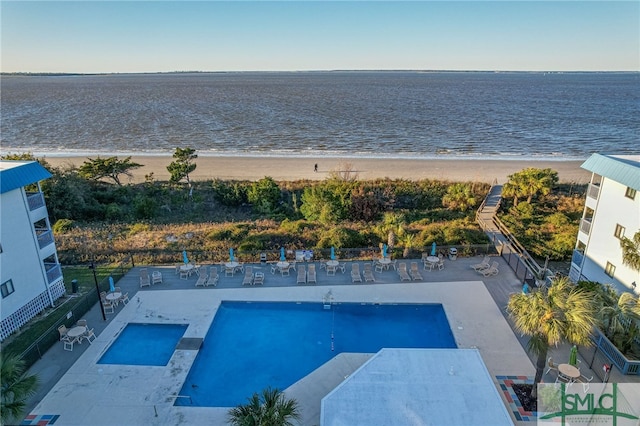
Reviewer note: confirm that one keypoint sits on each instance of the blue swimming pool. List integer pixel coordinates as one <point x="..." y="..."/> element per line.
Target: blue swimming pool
<point x="144" y="344"/>
<point x="253" y="345"/>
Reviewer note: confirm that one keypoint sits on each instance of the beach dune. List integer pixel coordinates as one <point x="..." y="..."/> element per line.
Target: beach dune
<point x="290" y="168"/>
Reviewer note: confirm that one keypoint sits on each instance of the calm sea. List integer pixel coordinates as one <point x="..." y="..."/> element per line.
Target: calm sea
<point x="375" y="114"/>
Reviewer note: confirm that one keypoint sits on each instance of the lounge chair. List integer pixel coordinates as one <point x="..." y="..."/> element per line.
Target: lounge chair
<point x="248" y="276"/>
<point x="202" y="280"/>
<point x="402" y="271"/>
<point x="258" y="278"/>
<point x="311" y="274"/>
<point x="144" y="278"/>
<point x="482" y="265"/>
<point x="367" y="272"/>
<point x="413" y="271"/>
<point x="302" y="275"/>
<point x="213" y="276"/>
<point x="355" y="273"/>
<point x="492" y="270"/>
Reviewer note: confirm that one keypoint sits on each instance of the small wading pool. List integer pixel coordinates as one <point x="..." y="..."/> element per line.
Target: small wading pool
<point x="253" y="345"/>
<point x="144" y="344"/>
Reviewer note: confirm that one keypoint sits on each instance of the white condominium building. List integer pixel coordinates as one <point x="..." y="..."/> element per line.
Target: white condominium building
<point x="30" y="273"/>
<point x="612" y="211"/>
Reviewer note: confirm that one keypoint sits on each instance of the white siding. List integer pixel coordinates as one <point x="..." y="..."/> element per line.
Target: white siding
<point x="20" y="260"/>
<point x="612" y="208"/>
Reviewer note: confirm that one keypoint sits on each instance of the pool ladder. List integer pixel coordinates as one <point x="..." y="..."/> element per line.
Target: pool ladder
<point x="327" y="300"/>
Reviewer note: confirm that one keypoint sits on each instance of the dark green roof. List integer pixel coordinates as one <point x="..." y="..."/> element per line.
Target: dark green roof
<point x="620" y="168"/>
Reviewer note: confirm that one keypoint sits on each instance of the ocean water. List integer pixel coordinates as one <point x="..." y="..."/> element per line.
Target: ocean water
<point x="552" y="116"/>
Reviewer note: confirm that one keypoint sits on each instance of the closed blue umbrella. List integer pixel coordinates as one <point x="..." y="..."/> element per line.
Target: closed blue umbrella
<point x="231" y="255"/>
<point x="333" y="254"/>
<point x="282" y="257"/>
<point x="185" y="259"/>
<point x="384" y="250"/>
<point x="112" y="286"/>
<point x="433" y="249"/>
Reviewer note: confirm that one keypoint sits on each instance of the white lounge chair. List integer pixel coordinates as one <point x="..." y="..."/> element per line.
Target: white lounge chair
<point x="355" y="273"/>
<point x="311" y="274"/>
<point x="145" y="281"/>
<point x="367" y="272"/>
<point x="302" y="275"/>
<point x="492" y="270"/>
<point x="485" y="264"/>
<point x="202" y="280"/>
<point x="213" y="276"/>
<point x="413" y="271"/>
<point x="402" y="271"/>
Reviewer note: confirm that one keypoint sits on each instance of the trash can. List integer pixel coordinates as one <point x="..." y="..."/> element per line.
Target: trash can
<point x="263" y="258"/>
<point x="453" y="253"/>
<point x="74" y="286"/>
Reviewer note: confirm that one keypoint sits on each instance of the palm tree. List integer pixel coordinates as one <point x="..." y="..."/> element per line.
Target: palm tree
<point x="16" y="387"/>
<point x="459" y="196"/>
<point x="562" y="313"/>
<point x="269" y="409"/>
<point x="529" y="183"/>
<point x="631" y="251"/>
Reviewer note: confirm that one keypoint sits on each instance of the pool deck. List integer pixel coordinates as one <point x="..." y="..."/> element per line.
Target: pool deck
<point x="80" y="391"/>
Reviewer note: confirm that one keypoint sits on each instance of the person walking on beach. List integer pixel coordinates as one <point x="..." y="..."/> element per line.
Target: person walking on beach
<point x="315" y="168"/>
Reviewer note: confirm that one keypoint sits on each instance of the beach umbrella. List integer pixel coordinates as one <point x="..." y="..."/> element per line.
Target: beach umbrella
<point x="433" y="249"/>
<point x="112" y="286"/>
<point x="231" y="255"/>
<point x="282" y="258"/>
<point x="573" y="356"/>
<point x="185" y="259"/>
<point x="333" y="254"/>
<point x="384" y="251"/>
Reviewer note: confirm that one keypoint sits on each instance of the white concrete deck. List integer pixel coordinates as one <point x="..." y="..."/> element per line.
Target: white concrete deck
<point x="98" y="394"/>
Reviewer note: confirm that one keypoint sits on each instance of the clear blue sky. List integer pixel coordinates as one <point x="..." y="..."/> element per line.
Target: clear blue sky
<point x="155" y="36"/>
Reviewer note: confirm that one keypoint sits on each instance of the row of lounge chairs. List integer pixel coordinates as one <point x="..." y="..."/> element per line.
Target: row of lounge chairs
<point x="486" y="268"/>
<point x="306" y="276"/>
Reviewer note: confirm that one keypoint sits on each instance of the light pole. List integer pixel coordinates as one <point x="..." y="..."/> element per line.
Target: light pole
<point x="95" y="279"/>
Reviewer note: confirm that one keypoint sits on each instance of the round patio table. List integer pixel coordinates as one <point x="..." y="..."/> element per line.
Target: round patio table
<point x="77" y="331"/>
<point x="569" y="371"/>
<point x="332" y="263"/>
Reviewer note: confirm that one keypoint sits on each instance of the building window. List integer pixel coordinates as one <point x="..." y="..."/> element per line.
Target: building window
<point x="610" y="269"/>
<point x="631" y="193"/>
<point x="7" y="288"/>
<point x="619" y="231"/>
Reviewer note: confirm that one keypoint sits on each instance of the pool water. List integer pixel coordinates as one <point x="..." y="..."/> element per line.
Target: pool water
<point x="144" y="344"/>
<point x="251" y="346"/>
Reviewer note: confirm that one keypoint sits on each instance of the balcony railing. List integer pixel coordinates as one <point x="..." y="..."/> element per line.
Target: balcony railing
<point x="35" y="200"/>
<point x="593" y="191"/>
<point x="53" y="271"/>
<point x="585" y="226"/>
<point x="45" y="237"/>
<point x="577" y="257"/>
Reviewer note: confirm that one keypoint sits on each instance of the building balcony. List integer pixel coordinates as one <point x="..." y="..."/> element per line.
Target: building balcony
<point x="45" y="237"/>
<point x="35" y="200"/>
<point x="577" y="258"/>
<point x="585" y="225"/>
<point x="593" y="191"/>
<point x="54" y="272"/>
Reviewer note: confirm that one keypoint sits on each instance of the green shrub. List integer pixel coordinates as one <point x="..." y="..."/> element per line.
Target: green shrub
<point x="62" y="226"/>
<point x="144" y="208"/>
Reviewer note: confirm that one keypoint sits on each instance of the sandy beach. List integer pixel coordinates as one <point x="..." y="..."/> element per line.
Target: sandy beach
<point x="288" y="168"/>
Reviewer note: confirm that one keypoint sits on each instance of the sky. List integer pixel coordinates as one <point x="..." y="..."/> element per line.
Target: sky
<point x="164" y="36"/>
